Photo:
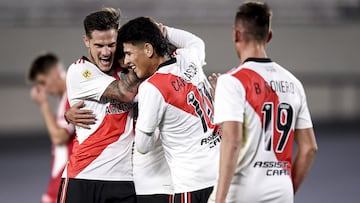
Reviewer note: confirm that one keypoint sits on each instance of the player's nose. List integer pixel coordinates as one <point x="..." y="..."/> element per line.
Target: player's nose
<point x="106" y="51"/>
<point x="127" y="60"/>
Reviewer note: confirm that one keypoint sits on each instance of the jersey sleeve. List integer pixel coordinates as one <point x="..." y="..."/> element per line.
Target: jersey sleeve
<point x="86" y="81"/>
<point x="151" y="106"/>
<point x="229" y="100"/>
<point x="187" y="41"/>
<point x="304" y="119"/>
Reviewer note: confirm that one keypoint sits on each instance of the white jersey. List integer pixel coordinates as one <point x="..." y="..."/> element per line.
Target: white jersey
<point x="104" y="151"/>
<point x="151" y="171"/>
<point x="271" y="104"/>
<point x="176" y="99"/>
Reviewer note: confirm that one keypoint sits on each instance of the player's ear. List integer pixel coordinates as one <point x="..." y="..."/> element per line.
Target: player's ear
<point x="269" y="36"/>
<point x="236" y="35"/>
<point x="86" y="41"/>
<point x="149" y="50"/>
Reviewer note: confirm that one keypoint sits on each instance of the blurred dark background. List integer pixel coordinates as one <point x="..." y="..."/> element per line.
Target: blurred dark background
<point x="316" y="40"/>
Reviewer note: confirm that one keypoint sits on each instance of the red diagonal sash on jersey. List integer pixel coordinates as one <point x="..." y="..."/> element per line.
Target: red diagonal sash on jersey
<point x="175" y="92"/>
<point x="109" y="131"/>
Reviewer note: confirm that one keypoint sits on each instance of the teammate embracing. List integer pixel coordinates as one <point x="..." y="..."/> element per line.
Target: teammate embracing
<point x="100" y="167"/>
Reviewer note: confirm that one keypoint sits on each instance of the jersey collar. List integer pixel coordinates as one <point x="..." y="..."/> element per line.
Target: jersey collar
<point x="85" y="58"/>
<point x="168" y="62"/>
<point x="259" y="60"/>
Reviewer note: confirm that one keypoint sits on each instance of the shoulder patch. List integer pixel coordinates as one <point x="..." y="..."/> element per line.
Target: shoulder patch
<point x="86" y="74"/>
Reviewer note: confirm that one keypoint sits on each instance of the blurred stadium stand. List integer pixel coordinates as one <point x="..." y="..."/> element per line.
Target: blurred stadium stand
<point x="70" y="12"/>
<point x="316" y="40"/>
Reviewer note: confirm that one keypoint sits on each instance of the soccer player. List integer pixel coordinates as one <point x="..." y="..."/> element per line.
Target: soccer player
<point x="100" y="168"/>
<point x="49" y="76"/>
<point x="175" y="98"/>
<point x="262" y="109"/>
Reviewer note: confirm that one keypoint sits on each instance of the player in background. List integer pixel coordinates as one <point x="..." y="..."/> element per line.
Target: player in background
<point x="262" y="109"/>
<point x="174" y="98"/>
<point x="100" y="168"/>
<point x="49" y="76"/>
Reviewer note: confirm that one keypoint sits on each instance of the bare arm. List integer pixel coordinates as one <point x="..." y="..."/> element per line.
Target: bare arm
<point x="229" y="153"/>
<point x="213" y="81"/>
<point x="124" y="89"/>
<point x="58" y="135"/>
<point x="305" y="155"/>
<point x="80" y="117"/>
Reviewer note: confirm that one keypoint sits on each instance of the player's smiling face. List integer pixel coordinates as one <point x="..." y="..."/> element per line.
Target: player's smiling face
<point x="139" y="58"/>
<point x="102" y="46"/>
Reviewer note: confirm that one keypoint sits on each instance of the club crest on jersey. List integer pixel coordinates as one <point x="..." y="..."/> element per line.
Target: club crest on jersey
<point x="86" y="74"/>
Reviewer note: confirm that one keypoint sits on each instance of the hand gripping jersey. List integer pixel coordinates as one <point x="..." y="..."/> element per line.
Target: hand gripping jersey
<point x="271" y="104"/>
<point x="176" y="99"/>
<point x="104" y="151"/>
<point x="60" y="153"/>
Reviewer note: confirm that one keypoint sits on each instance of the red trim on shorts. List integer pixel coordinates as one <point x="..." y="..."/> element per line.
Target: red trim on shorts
<point x="63" y="190"/>
<point x="170" y="198"/>
<point x="189" y="197"/>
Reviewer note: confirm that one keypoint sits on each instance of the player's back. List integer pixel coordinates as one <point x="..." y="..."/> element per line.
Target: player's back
<point x="274" y="105"/>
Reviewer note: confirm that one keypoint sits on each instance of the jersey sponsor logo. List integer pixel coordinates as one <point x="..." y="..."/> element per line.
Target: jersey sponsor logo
<point x="213" y="139"/>
<point x="116" y="108"/>
<point x="86" y="74"/>
<point x="273" y="168"/>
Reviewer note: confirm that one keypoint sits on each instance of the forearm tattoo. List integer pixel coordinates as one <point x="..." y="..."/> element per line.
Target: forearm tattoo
<point x="130" y="82"/>
<point x="124" y="89"/>
<point x="113" y="90"/>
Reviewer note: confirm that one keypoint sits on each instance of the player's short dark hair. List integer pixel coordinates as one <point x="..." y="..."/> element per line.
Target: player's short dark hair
<point x="255" y="17"/>
<point x="106" y="19"/>
<point x="42" y="64"/>
<point x="119" y="53"/>
<point x="143" y="30"/>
